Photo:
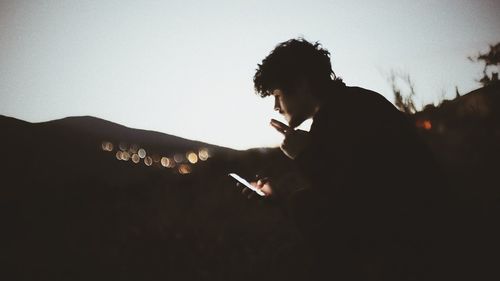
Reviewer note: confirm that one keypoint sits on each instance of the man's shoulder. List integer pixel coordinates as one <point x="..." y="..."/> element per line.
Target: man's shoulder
<point x="358" y="101"/>
<point x="359" y="89"/>
<point x="360" y="108"/>
<point x="368" y="102"/>
<point x="371" y="97"/>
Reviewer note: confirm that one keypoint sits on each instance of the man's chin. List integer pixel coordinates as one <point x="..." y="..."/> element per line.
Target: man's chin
<point x="294" y="123"/>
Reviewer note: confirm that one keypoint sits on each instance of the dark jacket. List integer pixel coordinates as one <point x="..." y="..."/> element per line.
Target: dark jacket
<point x="375" y="203"/>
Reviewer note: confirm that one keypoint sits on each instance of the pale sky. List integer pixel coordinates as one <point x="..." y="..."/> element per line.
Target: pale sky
<point x="186" y="67"/>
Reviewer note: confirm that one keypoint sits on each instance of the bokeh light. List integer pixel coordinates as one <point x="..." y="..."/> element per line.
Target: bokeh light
<point x="164" y="162"/>
<point x="123" y="146"/>
<point x="141" y="152"/>
<point x="427" y="125"/>
<point x="203" y="154"/>
<point x="424" y="124"/>
<point x="148" y="161"/>
<point x="178" y="158"/>
<point x="125" y="156"/>
<point x="167" y="162"/>
<point x="119" y="155"/>
<point x="135" y="158"/>
<point x="134" y="148"/>
<point x="192" y="157"/>
<point x="184" y="169"/>
<point x="107" y="146"/>
<point x="134" y="153"/>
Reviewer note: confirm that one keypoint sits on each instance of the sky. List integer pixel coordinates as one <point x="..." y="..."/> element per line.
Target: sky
<point x="185" y="67"/>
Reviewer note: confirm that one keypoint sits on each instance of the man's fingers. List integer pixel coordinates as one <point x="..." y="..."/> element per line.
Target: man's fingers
<point x="262" y="182"/>
<point x="255" y="184"/>
<point x="279" y="126"/>
<point x="246" y="191"/>
<point x="279" y="129"/>
<point x="258" y="184"/>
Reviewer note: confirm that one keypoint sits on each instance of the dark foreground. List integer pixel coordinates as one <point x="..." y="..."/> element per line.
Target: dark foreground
<point x="70" y="210"/>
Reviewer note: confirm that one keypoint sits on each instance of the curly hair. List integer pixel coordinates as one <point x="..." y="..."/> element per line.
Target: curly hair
<point x="291" y="60"/>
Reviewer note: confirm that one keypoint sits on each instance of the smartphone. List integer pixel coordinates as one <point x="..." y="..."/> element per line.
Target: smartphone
<point x="247" y="184"/>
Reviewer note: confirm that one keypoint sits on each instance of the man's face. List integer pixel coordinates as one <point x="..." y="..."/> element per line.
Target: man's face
<point x="296" y="107"/>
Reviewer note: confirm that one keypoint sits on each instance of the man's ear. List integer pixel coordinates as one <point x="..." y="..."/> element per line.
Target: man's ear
<point x="303" y="85"/>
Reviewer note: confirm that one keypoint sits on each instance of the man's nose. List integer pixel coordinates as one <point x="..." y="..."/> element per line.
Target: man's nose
<point x="276" y="104"/>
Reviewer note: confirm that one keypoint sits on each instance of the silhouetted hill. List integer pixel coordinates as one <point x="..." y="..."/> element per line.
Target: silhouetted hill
<point x="95" y="128"/>
<point x="464" y="133"/>
<point x="109" y="130"/>
<point x="72" y="209"/>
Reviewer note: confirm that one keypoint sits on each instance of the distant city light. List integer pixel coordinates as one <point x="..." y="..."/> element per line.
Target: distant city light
<point x="424" y="124"/>
<point x="427" y="125"/>
<point x="171" y="163"/>
<point x="134" y="153"/>
<point x="192" y="157"/>
<point x="134" y="148"/>
<point x="178" y="158"/>
<point x="148" y="161"/>
<point x="123" y="146"/>
<point x="203" y="154"/>
<point x="107" y="146"/>
<point x="167" y="162"/>
<point x="142" y="153"/>
<point x="125" y="156"/>
<point x="184" y="169"/>
<point x="135" y="158"/>
<point x="119" y="155"/>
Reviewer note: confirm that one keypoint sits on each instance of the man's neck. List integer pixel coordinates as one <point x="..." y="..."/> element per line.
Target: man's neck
<point x="332" y="93"/>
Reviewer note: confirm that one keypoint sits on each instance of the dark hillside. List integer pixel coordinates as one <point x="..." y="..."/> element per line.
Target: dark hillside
<point x="72" y="211"/>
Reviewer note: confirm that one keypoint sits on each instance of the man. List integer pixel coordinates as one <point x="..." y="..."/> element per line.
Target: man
<point x="372" y="208"/>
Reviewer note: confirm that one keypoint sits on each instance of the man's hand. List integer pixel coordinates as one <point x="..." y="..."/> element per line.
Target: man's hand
<point x="295" y="140"/>
<point x="263" y="184"/>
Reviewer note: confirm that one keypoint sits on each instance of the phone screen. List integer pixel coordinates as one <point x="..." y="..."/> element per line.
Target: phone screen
<point x="247" y="184"/>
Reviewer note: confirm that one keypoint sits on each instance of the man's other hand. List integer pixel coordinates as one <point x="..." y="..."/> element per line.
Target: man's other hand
<point x="295" y="140"/>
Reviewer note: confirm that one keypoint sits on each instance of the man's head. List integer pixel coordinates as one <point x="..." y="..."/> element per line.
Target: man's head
<point x="297" y="73"/>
